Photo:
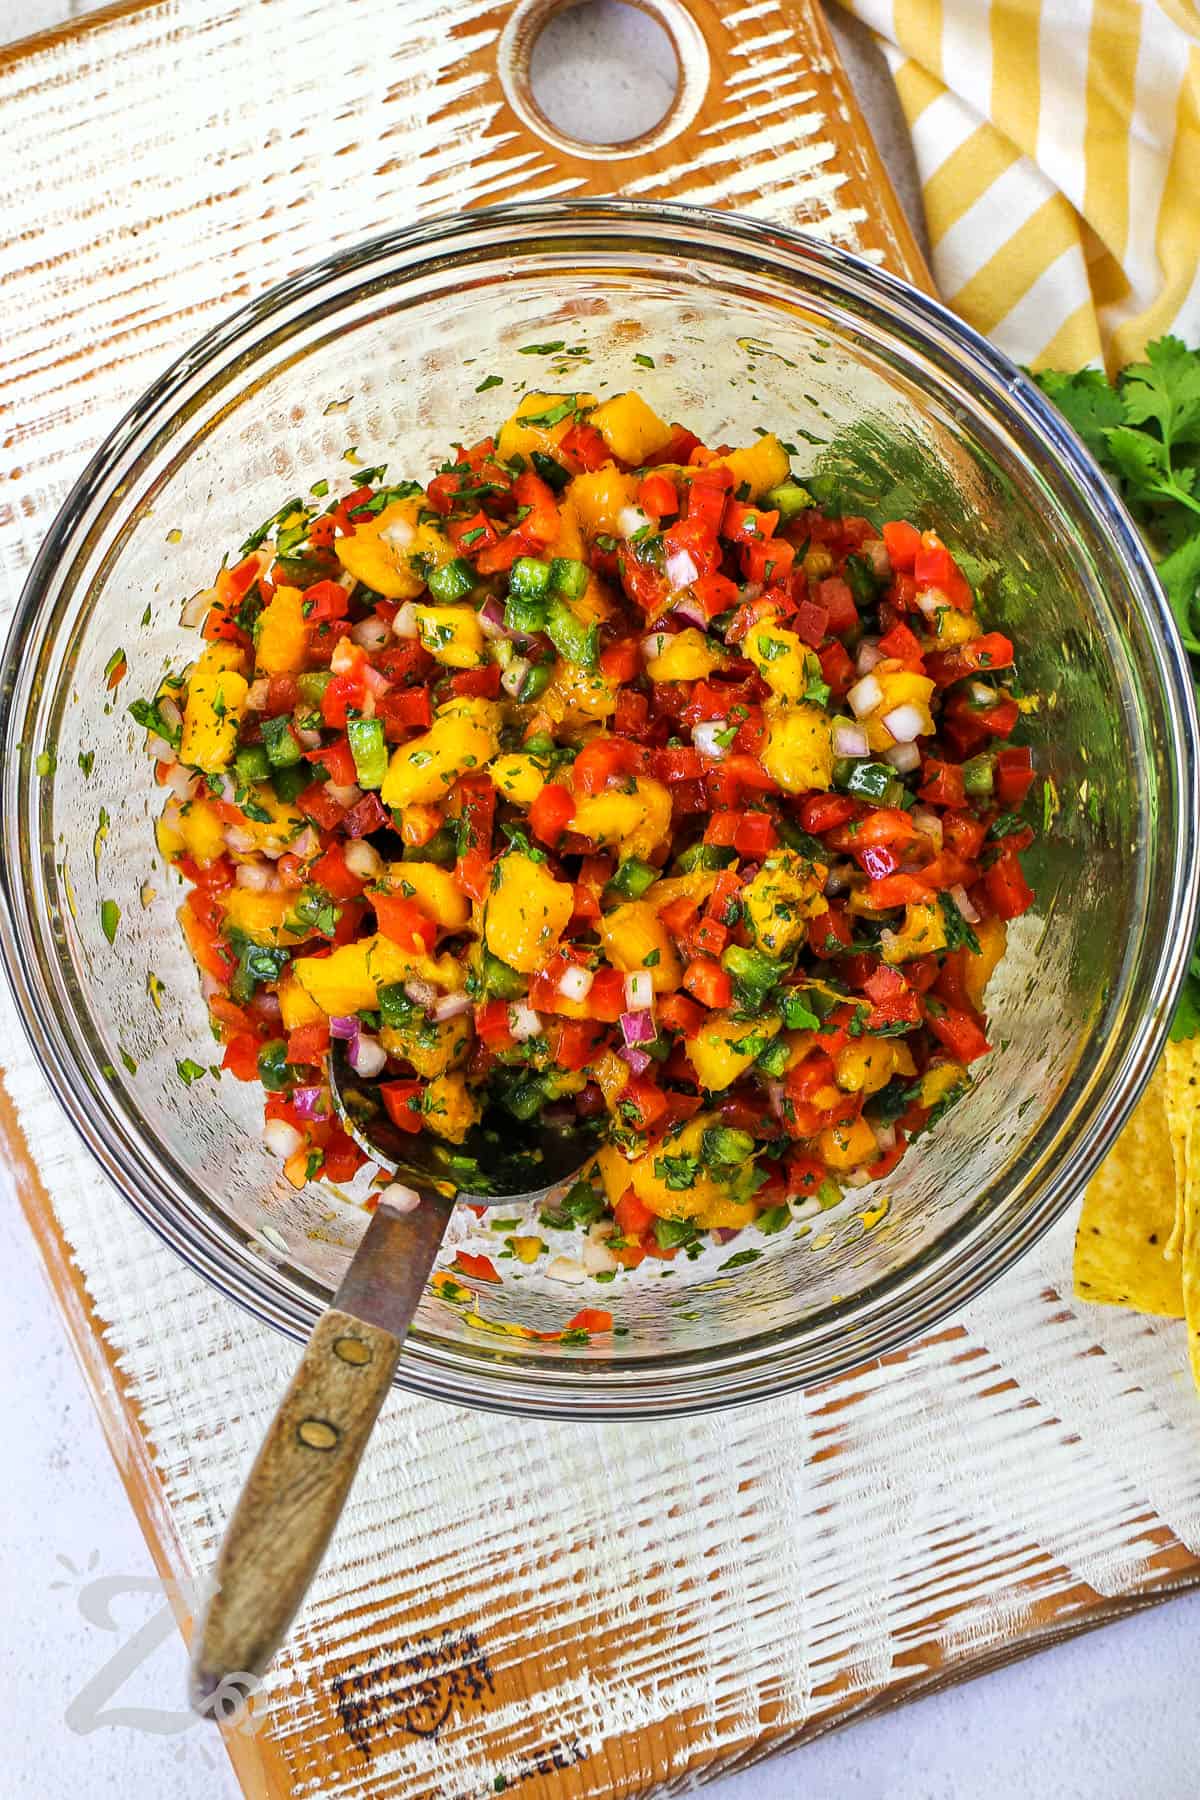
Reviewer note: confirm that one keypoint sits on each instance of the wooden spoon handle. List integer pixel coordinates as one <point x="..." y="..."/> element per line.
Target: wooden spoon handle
<point x="295" y="1491"/>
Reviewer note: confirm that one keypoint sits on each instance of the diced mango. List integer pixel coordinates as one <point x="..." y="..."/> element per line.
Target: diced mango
<point x="202" y="832"/>
<point x="866" y="1064"/>
<point x="778" y="901"/>
<point x="953" y="627"/>
<point x="648" y="1174"/>
<point x="260" y="916"/>
<point x="350" y="979"/>
<point x="570" y="540"/>
<point x="632" y="430"/>
<point x="760" y="466"/>
<point x="633" y="932"/>
<point x="723" y="1048"/>
<point x="432" y="1046"/>
<point x="167" y="835"/>
<point x="463" y="736"/>
<point x="687" y="656"/>
<point x="978" y="970"/>
<point x="578" y="696"/>
<point x="216" y="701"/>
<point x="696" y="885"/>
<point x="780" y="658"/>
<point x="938" y="1082"/>
<point x="923" y="930"/>
<point x="798" y="752"/>
<point x="452" y="635"/>
<point x="518" y="778"/>
<point x="392" y="552"/>
<point x="612" y="1077"/>
<point x="435" y="891"/>
<point x="848" y="1145"/>
<point x="726" y="1214"/>
<point x="599" y="496"/>
<point x="636" y="822"/>
<point x="281" y="641"/>
<point x="519" y="437"/>
<point x="527" y="912"/>
<point x="270" y="821"/>
<point x="451" y="1108"/>
<point x="900" y="687"/>
<point x="296" y="1007"/>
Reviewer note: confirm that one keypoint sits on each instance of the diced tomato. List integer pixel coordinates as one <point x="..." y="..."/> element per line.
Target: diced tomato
<point x="331" y="872"/>
<point x="677" y="1013"/>
<point x="405" y="662"/>
<point x="479" y="684"/>
<point x="591" y="1319"/>
<point x="1013" y="776"/>
<point x="646" y="1103"/>
<point x="215" y="876"/>
<point x="342" y="1156"/>
<point x="831" y="934"/>
<point x="963" y="835"/>
<point x="933" y="566"/>
<point x="681" y="763"/>
<point x="811" y="623"/>
<point x="403" y="921"/>
<point x="403" y="1100"/>
<point x="491" y="1025"/>
<point x="603" y="759"/>
<point x="707" y="496"/>
<point x="904" y="646"/>
<point x="476" y="1268"/>
<point x="402" y="710"/>
<point x="283" y="696"/>
<point x="899" y="890"/>
<point x="632" y="1215"/>
<point x="942" y="783"/>
<point x="206" y="945"/>
<point x="241" y="1056"/>
<point x="319" y="806"/>
<point x="574" y="1042"/>
<point x="745" y="524"/>
<point x="308" y="1043"/>
<point x="337" y="761"/>
<point x="708" y="982"/>
<point x="540" y="526"/>
<point x="697" y="539"/>
<point x="903" y="544"/>
<point x="958" y="1031"/>
<point x="586" y="446"/>
<point x="837" y="670"/>
<point x="1008" y="893"/>
<point x="825" y="812"/>
<point x="473" y="800"/>
<point x="324" y="601"/>
<point x="606" y="1001"/>
<point x="220" y="627"/>
<point x="441" y="493"/>
<point x="658" y="496"/>
<point x="620" y="663"/>
<point x="677" y="449"/>
<point x="768" y="560"/>
<point x="551" y="813"/>
<point x="981" y="655"/>
<point x="470" y="536"/>
<point x="322" y="532"/>
<point x="365" y="816"/>
<point x="716" y="593"/>
<point x="493" y="559"/>
<point x="885" y="825"/>
<point x="836" y="597"/>
<point x="708" y="939"/>
<point x="344" y="691"/>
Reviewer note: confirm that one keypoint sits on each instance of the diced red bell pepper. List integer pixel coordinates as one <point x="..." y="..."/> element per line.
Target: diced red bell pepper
<point x="405" y="662"/>
<point x="933" y="566"/>
<point x="603" y="759"/>
<point x="337" y="761"/>
<point x="574" y="1042"/>
<point x="646" y="1103"/>
<point x="473" y="800"/>
<point x="586" y="446"/>
<point x="825" y="812"/>
<point x="632" y="714"/>
<point x="744" y="524"/>
<point x="477" y="684"/>
<point x="1013" y="775"/>
<point x="344" y="691"/>
<point x="831" y="933"/>
<point x="837" y="670"/>
<point x="319" y="806"/>
<point x="472" y="535"/>
<point x="707" y="496"/>
<point x="402" y="710"/>
<point x="324" y="601"/>
<point x="492" y="1026"/>
<point x="591" y="1319"/>
<point x="677" y="449"/>
<point x="342" y="1156"/>
<point x="308" y="1043"/>
<point x="472" y="872"/>
<point x="621" y="662"/>
<point x="241" y="1056"/>
<point x="835" y="596"/>
<point x="677" y="1013"/>
<point x="403" y="921"/>
<point x="716" y="593"/>
<point x="476" y="1268"/>
<point x="708" y="982"/>
<point x="606" y="1001"/>
<point x="981" y="656"/>
<point x="658" y="496"/>
<point x="540" y="526"/>
<point x="958" y="1031"/>
<point x="899" y="890"/>
<point x="1008" y="893"/>
<point x="698" y="539"/>
<point x="904" y="646"/>
<point x="551" y="813"/>
<point x="962" y="835"/>
<point x="805" y="1174"/>
<point x="365" y="816"/>
<point x="903" y="545"/>
<point x="494" y="559"/>
<point x="632" y="1215"/>
<point x="331" y="872"/>
<point x="942" y="783"/>
<point x="403" y="1100"/>
<point x="768" y="561"/>
<point x="677" y="763"/>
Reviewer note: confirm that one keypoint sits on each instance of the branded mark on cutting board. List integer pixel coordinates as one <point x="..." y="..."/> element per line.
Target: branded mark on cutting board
<point x="417" y="1694"/>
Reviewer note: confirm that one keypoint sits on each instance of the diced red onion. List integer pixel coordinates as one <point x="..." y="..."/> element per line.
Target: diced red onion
<point x="344" y="1026"/>
<point x="575" y="982"/>
<point x="255" y="877"/>
<point x="308" y="740"/>
<point x="209" y="985"/>
<point x="849" y="740"/>
<point x="307" y="844"/>
<point x="371" y="633"/>
<point x="639" y="990"/>
<point x="239" y="841"/>
<point x="904" y="758"/>
<point x="906" y="723"/>
<point x="362" y="859"/>
<point x="194" y="609"/>
<point x="639" y="1061"/>
<point x="399" y="533"/>
<point x="928" y="824"/>
<point x="310" y="1102"/>
<point x="958" y="894"/>
<point x="866" y="696"/>
<point x="421" y="993"/>
<point x="513" y="678"/>
<point x="869" y="654"/>
<point x="180" y="783"/>
<point x="631" y="520"/>
<point x="346" y="796"/>
<point x="680" y="570"/>
<point x="876" y="553"/>
<point x="398" y="1198"/>
<point x="169" y="713"/>
<point x="725" y="1234"/>
<point x="654" y="645"/>
<point x="885" y="1135"/>
<point x="705" y="735"/>
<point x="932" y="601"/>
<point x="160" y="750"/>
<point x="257" y="694"/>
<point x="451" y="1006"/>
<point x="281" y="1139"/>
<point x="689" y="611"/>
<point x="405" y="624"/>
<point x="777" y="1095"/>
<point x="638" y="1027"/>
<point x="523" y="1022"/>
<point x="367" y="1056"/>
<point x="491" y="618"/>
<point x="982" y="694"/>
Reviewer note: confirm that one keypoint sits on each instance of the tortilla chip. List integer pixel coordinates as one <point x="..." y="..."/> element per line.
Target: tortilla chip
<point x="1128" y="1215"/>
<point x="1179" y="1068"/>
<point x="1190" y="1244"/>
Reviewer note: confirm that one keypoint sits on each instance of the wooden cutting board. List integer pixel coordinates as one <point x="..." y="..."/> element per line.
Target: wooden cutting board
<point x="644" y="1606"/>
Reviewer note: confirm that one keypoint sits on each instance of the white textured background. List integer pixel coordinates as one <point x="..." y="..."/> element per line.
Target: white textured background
<point x="1108" y="1717"/>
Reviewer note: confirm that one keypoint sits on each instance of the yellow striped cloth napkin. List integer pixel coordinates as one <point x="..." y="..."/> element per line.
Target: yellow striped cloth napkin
<point x="1058" y="147"/>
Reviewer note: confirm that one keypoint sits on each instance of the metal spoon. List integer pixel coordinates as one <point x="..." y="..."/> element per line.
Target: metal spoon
<point x="301" y="1477"/>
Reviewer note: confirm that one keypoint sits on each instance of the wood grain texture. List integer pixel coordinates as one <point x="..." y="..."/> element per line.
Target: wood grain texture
<point x="691" y="1599"/>
<point x="293" y="1497"/>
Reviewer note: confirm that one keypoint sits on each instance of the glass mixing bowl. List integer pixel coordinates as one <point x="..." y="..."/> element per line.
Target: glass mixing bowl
<point x="898" y="410"/>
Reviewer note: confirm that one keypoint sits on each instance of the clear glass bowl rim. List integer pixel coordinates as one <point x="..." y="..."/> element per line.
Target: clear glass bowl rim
<point x="730" y="1375"/>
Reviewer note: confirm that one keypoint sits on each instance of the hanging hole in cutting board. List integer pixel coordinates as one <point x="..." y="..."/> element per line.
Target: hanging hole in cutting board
<point x="603" y="79"/>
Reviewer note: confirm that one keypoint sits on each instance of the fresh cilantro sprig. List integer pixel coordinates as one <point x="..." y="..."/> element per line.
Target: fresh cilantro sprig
<point x="1144" y="431"/>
